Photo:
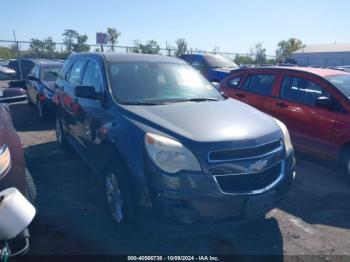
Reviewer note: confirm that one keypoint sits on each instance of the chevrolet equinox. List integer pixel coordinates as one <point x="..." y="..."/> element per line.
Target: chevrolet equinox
<point x="169" y="146"/>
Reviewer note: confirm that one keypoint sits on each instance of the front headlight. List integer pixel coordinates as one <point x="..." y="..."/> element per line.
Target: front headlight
<point x="170" y="155"/>
<point x="5" y="160"/>
<point x="286" y="137"/>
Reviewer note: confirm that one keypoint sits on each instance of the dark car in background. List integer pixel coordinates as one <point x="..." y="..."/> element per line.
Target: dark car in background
<point x="22" y="67"/>
<point x="41" y="86"/>
<point x="170" y="147"/>
<point x="212" y="67"/>
<point x="313" y="103"/>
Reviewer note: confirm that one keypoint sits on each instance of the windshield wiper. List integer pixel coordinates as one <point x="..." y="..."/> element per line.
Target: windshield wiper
<point x="195" y="100"/>
<point x="143" y="103"/>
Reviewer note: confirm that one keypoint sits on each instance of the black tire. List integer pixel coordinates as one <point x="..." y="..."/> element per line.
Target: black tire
<point x="120" y="203"/>
<point x="31" y="192"/>
<point x="60" y="135"/>
<point x="28" y="99"/>
<point x="40" y="110"/>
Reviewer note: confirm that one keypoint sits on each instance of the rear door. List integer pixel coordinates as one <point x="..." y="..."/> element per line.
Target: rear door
<point x="253" y="89"/>
<point x="310" y="126"/>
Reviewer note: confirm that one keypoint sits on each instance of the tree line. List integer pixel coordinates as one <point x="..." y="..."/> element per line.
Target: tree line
<point x="74" y="42"/>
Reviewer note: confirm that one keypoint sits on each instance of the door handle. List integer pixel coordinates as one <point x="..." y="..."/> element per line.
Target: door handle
<point x="240" y="95"/>
<point x="281" y="105"/>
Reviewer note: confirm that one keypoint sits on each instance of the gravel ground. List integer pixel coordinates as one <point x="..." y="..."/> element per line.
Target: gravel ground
<point x="72" y="217"/>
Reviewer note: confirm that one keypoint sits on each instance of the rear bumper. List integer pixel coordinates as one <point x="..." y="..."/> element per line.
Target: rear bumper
<point x="212" y="210"/>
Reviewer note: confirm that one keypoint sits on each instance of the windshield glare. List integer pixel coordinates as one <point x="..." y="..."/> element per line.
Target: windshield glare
<point x="342" y="82"/>
<point x="159" y="82"/>
<point x="219" y="61"/>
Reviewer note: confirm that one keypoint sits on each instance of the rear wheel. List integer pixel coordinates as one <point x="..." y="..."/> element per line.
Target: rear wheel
<point x="60" y="135"/>
<point x="30" y="102"/>
<point x="39" y="108"/>
<point x="119" y="198"/>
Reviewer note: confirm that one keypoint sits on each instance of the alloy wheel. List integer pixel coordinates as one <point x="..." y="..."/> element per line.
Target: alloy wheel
<point x="114" y="198"/>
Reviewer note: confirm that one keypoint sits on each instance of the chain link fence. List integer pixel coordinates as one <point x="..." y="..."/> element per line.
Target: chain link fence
<point x="59" y="51"/>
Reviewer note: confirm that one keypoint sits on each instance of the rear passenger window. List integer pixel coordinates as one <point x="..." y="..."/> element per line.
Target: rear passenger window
<point x="301" y="90"/>
<point x="76" y="71"/>
<point x="234" y="82"/>
<point x="261" y="84"/>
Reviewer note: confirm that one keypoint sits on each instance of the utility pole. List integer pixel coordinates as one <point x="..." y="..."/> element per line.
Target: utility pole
<point x="18" y="56"/>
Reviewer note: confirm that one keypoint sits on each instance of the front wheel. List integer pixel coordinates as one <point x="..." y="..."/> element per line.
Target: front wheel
<point x="119" y="198"/>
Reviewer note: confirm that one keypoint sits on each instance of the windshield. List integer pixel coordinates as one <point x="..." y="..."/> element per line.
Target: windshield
<point x="154" y="82"/>
<point x="342" y="82"/>
<point x="219" y="61"/>
<point x="50" y="73"/>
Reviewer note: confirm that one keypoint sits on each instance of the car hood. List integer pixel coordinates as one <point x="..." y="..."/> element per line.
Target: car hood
<point x="212" y="121"/>
<point x="50" y="85"/>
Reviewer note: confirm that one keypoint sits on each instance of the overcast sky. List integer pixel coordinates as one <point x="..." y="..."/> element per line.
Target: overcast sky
<point x="232" y="25"/>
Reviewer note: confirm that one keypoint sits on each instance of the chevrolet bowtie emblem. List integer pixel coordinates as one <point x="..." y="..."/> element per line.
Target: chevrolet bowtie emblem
<point x="258" y="165"/>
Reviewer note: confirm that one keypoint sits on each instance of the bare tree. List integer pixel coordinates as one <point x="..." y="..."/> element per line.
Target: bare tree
<point x="259" y="53"/>
<point x="181" y="47"/>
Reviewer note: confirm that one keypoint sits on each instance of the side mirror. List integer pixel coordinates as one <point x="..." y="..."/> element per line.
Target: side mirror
<point x="12" y="95"/>
<point x="324" y="102"/>
<point x="86" y="92"/>
<point x="32" y="78"/>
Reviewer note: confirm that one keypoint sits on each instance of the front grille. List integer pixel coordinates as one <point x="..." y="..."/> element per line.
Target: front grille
<point x="244" y="153"/>
<point x="249" y="182"/>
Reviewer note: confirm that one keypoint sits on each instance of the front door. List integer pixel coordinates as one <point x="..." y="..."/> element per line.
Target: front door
<point x="90" y="113"/>
<point x="310" y="126"/>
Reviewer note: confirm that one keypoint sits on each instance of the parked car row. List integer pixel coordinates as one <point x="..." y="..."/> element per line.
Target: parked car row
<point x="170" y="146"/>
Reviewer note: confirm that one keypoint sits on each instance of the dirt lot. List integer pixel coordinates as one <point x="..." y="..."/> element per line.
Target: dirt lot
<point x="72" y="217"/>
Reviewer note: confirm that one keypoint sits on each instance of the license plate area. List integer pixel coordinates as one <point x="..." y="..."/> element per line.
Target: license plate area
<point x="259" y="205"/>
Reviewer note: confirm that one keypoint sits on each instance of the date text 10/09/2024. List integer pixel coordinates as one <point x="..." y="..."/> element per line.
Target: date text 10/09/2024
<point x="173" y="258"/>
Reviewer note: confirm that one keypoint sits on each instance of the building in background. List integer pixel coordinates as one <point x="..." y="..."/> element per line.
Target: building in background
<point x="323" y="55"/>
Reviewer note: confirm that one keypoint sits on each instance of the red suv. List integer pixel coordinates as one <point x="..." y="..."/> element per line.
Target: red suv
<point x="313" y="103"/>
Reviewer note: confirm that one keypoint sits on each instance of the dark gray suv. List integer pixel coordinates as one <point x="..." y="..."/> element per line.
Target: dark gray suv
<point x="170" y="147"/>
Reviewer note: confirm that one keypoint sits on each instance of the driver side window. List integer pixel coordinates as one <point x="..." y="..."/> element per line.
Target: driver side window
<point x="301" y="90"/>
